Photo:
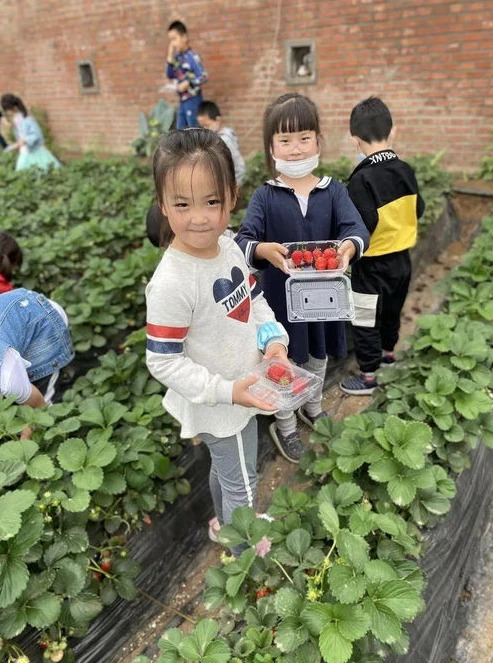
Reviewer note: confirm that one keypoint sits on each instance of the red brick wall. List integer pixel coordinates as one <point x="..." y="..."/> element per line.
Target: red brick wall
<point x="430" y="60"/>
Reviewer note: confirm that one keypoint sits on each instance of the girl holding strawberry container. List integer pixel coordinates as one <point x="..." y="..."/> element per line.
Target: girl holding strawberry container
<point x="208" y="323"/>
<point x="298" y="206"/>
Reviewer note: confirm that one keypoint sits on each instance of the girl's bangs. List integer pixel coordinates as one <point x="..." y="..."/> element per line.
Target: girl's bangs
<point x="295" y="115"/>
<point x="211" y="164"/>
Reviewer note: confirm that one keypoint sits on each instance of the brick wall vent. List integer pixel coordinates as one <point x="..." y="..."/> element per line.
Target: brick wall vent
<point x="300" y="62"/>
<point x="87" y="77"/>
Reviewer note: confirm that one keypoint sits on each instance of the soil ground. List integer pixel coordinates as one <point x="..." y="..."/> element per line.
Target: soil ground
<point x="424" y="297"/>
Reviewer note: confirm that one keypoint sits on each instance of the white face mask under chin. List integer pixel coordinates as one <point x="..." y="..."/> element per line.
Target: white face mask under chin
<point x="297" y="169"/>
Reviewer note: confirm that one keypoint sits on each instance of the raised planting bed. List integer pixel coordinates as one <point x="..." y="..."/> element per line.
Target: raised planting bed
<point x="169" y="549"/>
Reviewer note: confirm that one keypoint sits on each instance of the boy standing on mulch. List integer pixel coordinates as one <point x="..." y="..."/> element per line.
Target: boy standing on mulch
<point x="385" y="192"/>
<point x="184" y="66"/>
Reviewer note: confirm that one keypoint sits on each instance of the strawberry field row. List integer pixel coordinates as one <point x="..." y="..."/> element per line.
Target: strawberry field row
<point x="335" y="576"/>
<point x="103" y="460"/>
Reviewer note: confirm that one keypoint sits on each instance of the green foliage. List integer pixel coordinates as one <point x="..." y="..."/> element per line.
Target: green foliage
<point x="470" y="292"/>
<point x="433" y="183"/>
<point x="152" y="127"/>
<point x="96" y="263"/>
<point x="71" y="495"/>
<point x="486" y="165"/>
<point x="340" y="170"/>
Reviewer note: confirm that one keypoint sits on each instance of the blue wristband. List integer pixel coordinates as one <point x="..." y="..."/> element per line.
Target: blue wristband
<point x="267" y="331"/>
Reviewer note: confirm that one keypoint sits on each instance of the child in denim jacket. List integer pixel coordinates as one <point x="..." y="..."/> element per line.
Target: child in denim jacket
<point x="34" y="337"/>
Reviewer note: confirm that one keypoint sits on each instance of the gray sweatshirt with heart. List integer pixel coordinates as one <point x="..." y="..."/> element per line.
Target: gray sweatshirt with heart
<point x="203" y="316"/>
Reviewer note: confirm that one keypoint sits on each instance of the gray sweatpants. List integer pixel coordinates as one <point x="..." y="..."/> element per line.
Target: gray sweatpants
<point x="233" y="474"/>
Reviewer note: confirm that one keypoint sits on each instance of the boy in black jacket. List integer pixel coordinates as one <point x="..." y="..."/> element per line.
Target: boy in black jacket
<point x="385" y="192"/>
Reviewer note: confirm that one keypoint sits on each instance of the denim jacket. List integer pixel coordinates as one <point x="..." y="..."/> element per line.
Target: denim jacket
<point x="29" y="130"/>
<point x="30" y="325"/>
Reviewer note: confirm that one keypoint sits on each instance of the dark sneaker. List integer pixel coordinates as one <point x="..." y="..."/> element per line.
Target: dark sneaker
<point x="290" y="446"/>
<point x="361" y="385"/>
<point x="308" y="419"/>
<point x="387" y="360"/>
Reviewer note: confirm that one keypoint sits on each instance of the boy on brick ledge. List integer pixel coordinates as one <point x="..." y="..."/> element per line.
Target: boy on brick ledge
<point x="385" y="193"/>
<point x="184" y="66"/>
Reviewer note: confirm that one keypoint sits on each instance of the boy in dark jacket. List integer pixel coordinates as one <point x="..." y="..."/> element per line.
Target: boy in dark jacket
<point x="385" y="192"/>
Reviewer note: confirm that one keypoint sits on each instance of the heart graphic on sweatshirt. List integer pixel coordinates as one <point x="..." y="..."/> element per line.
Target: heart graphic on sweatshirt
<point x="233" y="295"/>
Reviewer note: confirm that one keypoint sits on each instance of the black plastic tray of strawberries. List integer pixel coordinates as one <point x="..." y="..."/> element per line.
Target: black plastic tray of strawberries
<point x="314" y="257"/>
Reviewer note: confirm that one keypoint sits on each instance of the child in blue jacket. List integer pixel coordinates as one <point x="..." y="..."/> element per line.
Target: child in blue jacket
<point x="185" y="66"/>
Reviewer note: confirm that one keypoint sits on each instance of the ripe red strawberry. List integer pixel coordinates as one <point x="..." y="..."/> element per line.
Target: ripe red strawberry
<point x="265" y="591"/>
<point x="297" y="257"/>
<point x="96" y="575"/>
<point x="332" y="263"/>
<point x="330" y="253"/>
<point x="276" y="372"/>
<point x="280" y="374"/>
<point x="321" y="263"/>
<point x="299" y="385"/>
<point x="146" y="520"/>
<point x="308" y="257"/>
<point x="317" y="253"/>
<point x="105" y="565"/>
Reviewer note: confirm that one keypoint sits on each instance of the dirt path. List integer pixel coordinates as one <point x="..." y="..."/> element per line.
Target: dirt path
<point x="423" y="298"/>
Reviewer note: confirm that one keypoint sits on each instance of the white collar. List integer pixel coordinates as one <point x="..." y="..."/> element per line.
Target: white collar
<point x="323" y="184"/>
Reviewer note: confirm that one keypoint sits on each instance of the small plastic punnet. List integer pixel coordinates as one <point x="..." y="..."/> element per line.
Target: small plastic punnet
<point x="315" y="298"/>
<point x="284" y="386"/>
<point x="306" y="263"/>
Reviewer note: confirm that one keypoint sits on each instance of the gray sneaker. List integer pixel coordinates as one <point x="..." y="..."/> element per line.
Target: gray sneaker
<point x="308" y="419"/>
<point x="290" y="446"/>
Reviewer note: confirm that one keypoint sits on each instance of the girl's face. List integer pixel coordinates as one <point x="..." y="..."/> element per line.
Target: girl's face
<point x="9" y="114"/>
<point x="194" y="211"/>
<point x="295" y="145"/>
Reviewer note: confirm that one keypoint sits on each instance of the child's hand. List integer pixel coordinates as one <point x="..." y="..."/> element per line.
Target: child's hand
<point x="277" y="351"/>
<point x="273" y="252"/>
<point x="241" y="395"/>
<point x="171" y="53"/>
<point x="183" y="86"/>
<point x="346" y="252"/>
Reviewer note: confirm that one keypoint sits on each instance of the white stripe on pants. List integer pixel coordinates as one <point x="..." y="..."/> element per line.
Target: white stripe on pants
<point x="233" y="473"/>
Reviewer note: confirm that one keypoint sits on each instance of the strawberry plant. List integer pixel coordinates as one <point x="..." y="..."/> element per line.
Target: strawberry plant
<point x="71" y="496"/>
<point x="152" y="127"/>
<point x="486" y="166"/>
<point x="445" y="382"/>
<point x="470" y="291"/>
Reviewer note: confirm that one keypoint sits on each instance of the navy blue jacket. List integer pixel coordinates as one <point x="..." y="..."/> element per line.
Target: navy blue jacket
<point x="274" y="215"/>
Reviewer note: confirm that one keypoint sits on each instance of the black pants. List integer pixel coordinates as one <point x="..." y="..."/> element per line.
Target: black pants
<point x="388" y="277"/>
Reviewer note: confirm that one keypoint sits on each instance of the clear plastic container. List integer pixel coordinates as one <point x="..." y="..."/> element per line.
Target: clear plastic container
<point x="302" y="263"/>
<point x="315" y="298"/>
<point x="285" y="387"/>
